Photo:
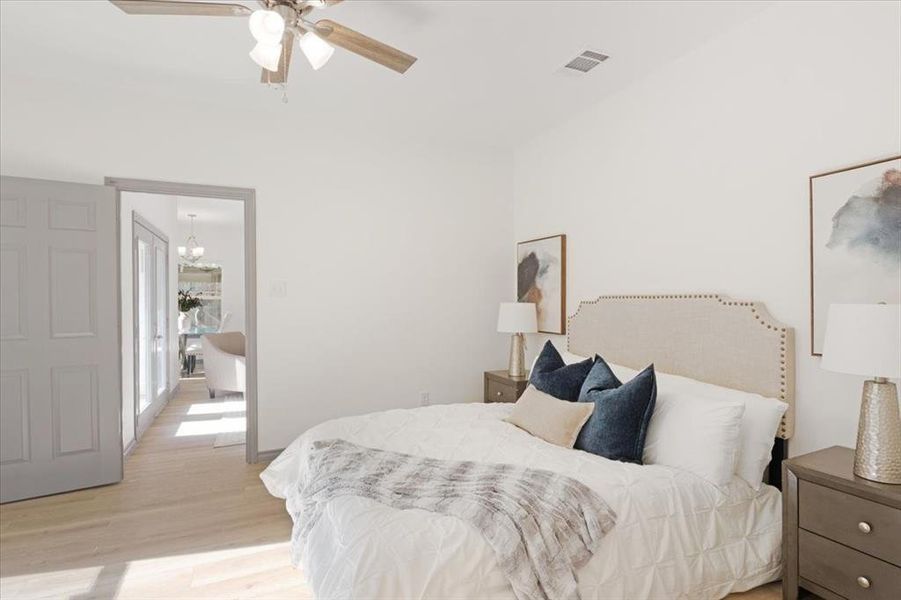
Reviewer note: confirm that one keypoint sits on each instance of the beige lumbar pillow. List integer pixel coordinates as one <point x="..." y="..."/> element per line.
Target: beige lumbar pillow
<point x="556" y="421"/>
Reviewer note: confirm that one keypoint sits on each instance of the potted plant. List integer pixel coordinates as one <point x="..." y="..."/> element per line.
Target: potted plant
<point x="186" y="303"/>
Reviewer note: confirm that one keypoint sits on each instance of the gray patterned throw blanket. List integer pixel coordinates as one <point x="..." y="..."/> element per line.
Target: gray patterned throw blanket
<point x="542" y="526"/>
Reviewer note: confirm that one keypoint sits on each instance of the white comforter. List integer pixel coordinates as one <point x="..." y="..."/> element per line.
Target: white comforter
<point x="676" y="535"/>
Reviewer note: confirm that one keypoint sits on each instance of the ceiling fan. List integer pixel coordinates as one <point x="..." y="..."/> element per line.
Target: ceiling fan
<point x="275" y="26"/>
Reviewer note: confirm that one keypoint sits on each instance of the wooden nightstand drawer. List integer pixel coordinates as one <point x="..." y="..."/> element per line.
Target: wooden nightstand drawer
<point x="862" y="524"/>
<point x="500" y="387"/>
<point x="845" y="571"/>
<point x="498" y="392"/>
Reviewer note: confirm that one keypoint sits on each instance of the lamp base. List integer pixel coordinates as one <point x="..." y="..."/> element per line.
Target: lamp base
<point x="878" y="455"/>
<point x="517" y="366"/>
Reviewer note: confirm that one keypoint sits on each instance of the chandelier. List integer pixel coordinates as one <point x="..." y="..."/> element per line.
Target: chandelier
<point x="191" y="251"/>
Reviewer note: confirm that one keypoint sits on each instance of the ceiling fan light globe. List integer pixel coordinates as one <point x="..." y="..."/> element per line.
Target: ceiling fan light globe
<point x="267" y="26"/>
<point x="317" y="50"/>
<point x="267" y="55"/>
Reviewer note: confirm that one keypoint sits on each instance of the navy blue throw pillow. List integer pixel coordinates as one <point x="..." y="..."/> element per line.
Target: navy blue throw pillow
<point x="553" y="376"/>
<point x="600" y="377"/>
<point x="619" y="423"/>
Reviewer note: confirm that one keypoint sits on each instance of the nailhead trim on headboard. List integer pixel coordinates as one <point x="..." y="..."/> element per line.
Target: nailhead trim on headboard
<point x="760" y="315"/>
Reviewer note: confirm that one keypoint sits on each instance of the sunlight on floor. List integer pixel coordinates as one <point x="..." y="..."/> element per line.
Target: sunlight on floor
<point x="214" y="408"/>
<point x="138" y="577"/>
<point x="70" y="580"/>
<point x="211" y="427"/>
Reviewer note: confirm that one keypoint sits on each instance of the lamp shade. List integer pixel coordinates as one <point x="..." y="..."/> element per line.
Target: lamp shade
<point x="317" y="51"/>
<point x="267" y="26"/>
<point x="863" y="339"/>
<point x="517" y="317"/>
<point x="267" y="55"/>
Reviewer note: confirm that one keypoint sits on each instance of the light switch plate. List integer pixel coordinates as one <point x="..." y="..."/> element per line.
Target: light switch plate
<point x="278" y="288"/>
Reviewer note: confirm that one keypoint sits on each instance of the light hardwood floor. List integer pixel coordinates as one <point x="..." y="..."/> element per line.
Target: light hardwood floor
<point x="188" y="521"/>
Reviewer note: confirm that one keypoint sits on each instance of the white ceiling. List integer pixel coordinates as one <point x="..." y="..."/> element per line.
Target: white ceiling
<point x="489" y="73"/>
<point x="209" y="211"/>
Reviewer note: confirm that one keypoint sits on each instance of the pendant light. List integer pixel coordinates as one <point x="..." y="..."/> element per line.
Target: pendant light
<point x="191" y="251"/>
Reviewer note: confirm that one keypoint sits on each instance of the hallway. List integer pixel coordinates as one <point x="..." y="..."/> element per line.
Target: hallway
<point x="188" y="521"/>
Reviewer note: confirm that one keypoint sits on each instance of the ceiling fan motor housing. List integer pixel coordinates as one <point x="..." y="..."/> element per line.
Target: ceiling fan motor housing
<point x="287" y="11"/>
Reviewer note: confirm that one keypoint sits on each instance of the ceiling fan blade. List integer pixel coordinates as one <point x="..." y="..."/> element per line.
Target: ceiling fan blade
<point x="281" y="76"/>
<point x="319" y="3"/>
<point x="356" y="42"/>
<point x="171" y="7"/>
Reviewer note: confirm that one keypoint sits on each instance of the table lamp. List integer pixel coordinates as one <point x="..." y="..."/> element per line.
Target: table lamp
<point x="517" y="318"/>
<point x="865" y="339"/>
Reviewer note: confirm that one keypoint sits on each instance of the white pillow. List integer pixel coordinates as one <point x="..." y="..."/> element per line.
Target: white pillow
<point x="696" y="434"/>
<point x="758" y="433"/>
<point x="758" y="426"/>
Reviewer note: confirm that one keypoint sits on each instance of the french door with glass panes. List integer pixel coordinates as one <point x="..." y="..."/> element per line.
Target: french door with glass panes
<point x="151" y="322"/>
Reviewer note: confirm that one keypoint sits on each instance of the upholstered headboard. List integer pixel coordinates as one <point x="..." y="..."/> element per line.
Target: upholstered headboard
<point x="711" y="338"/>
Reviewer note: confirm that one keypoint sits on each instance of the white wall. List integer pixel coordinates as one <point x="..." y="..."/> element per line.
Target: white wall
<point x="695" y="179"/>
<point x="395" y="254"/>
<point x="223" y="245"/>
<point x="161" y="212"/>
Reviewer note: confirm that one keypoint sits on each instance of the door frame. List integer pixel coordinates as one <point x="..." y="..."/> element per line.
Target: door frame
<point x="248" y="197"/>
<point x="154" y="406"/>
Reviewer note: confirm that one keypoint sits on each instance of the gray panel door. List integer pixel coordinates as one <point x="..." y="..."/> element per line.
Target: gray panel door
<point x="59" y="338"/>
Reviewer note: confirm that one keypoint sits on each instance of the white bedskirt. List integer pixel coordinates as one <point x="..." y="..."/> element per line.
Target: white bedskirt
<point x="676" y="536"/>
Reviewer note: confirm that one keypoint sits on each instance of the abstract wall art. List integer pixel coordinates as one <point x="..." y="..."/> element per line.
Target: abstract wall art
<point x="855" y="239"/>
<point x="541" y="279"/>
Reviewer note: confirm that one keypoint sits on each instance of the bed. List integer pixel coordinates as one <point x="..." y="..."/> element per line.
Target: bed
<point x="676" y="536"/>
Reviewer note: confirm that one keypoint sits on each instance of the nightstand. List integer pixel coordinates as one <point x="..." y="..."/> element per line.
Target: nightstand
<point x="500" y="387"/>
<point x="841" y="534"/>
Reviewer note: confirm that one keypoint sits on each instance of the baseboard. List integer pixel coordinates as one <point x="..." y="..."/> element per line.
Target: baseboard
<point x="172" y="393"/>
<point x="268" y="455"/>
<point x="163" y="405"/>
<point x="130" y="448"/>
<point x="156" y="411"/>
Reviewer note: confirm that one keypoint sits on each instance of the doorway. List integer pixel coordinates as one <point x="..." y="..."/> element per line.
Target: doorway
<point x="181" y="336"/>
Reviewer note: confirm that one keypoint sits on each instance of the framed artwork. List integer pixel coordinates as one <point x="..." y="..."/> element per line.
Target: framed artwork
<point x="855" y="239"/>
<point x="541" y="279"/>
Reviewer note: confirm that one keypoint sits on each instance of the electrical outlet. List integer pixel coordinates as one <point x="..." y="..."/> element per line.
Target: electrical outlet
<point x="424" y="399"/>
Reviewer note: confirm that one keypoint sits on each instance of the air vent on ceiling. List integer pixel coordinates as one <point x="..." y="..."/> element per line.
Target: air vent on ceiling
<point x="586" y="61"/>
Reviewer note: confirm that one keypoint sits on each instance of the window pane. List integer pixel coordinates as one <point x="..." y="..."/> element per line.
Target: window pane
<point x="162" y="305"/>
<point x="145" y="334"/>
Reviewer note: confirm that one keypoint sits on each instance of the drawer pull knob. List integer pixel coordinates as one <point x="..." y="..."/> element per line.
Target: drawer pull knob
<point x="500" y="393"/>
<point x="864" y="527"/>
<point x="863" y="582"/>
